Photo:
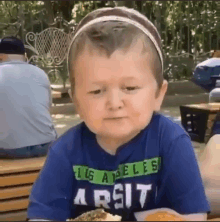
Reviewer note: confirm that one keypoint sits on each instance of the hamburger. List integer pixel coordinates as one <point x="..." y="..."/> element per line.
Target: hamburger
<point x="97" y="215"/>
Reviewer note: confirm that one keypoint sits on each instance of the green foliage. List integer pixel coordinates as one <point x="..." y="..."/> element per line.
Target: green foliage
<point x="16" y="16"/>
<point x="189" y="28"/>
<point x="82" y="8"/>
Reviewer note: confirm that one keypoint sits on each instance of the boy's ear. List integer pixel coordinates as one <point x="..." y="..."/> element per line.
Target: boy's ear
<point x="160" y="96"/>
<point x="75" y="102"/>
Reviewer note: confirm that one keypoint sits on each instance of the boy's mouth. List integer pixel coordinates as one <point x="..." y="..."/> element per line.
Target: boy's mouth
<point x="114" y="118"/>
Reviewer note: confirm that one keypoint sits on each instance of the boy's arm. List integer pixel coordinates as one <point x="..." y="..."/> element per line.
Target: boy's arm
<point x="52" y="192"/>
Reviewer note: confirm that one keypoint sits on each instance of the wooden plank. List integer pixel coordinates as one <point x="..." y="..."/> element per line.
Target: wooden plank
<point x="22" y="165"/>
<point x="15" y="192"/>
<point x="13" y="180"/>
<point x="56" y="94"/>
<point x="210" y="124"/>
<point x="215" y="219"/>
<point x="60" y="88"/>
<point x="205" y="106"/>
<point x="207" y="132"/>
<point x="15" y="216"/>
<point x="212" y="117"/>
<point x="13" y="205"/>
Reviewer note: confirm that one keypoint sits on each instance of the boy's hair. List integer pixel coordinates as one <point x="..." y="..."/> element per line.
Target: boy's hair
<point x="110" y="35"/>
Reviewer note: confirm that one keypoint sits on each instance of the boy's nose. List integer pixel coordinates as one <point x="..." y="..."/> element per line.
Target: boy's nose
<point x="115" y="100"/>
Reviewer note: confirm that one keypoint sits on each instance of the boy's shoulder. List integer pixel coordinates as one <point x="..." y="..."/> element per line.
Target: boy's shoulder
<point x="163" y="132"/>
<point x="69" y="140"/>
<point x="165" y="127"/>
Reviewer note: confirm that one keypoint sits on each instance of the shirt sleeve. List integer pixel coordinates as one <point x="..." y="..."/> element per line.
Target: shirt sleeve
<point x="180" y="185"/>
<point x="52" y="193"/>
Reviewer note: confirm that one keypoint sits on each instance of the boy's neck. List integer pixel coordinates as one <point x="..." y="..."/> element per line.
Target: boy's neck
<point x="111" y="145"/>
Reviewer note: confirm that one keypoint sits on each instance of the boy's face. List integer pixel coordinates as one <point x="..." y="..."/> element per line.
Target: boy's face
<point x="115" y="96"/>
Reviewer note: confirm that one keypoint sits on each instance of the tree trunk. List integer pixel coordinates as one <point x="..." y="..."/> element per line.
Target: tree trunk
<point x="203" y="28"/>
<point x="50" y="14"/>
<point x="189" y="43"/>
<point x="181" y="27"/>
<point x="195" y="35"/>
<point x="139" y="5"/>
<point x="129" y="4"/>
<point x="21" y="20"/>
<point x="158" y="18"/>
<point x="66" y="9"/>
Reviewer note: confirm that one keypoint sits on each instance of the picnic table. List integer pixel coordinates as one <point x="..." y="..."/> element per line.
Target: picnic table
<point x="198" y="119"/>
<point x="16" y="180"/>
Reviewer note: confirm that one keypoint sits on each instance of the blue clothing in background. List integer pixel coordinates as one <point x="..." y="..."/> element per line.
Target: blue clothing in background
<point x="156" y="169"/>
<point x="203" y="72"/>
<point x="25" y="152"/>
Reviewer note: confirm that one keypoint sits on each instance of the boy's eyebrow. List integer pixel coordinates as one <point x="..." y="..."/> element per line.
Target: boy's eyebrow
<point x="124" y="78"/>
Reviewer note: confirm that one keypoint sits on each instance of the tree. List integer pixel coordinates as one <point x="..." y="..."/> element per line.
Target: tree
<point x="183" y="29"/>
<point x="129" y="4"/>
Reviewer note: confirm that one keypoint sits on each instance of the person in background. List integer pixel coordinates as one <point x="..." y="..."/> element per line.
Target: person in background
<point x="26" y="127"/>
<point x="203" y="73"/>
<point x="214" y="95"/>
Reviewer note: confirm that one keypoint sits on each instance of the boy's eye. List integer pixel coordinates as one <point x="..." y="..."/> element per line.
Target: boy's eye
<point x="130" y="88"/>
<point x="95" y="91"/>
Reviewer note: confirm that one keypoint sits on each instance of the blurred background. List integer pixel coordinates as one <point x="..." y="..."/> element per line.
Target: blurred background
<point x="189" y="31"/>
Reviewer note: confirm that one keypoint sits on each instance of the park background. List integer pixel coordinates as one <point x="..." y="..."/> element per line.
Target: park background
<point x="190" y="30"/>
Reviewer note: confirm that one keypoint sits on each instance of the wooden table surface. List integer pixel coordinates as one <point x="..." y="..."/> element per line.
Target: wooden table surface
<point x="205" y="106"/>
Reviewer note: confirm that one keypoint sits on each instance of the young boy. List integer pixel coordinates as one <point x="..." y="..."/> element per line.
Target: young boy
<point x="123" y="156"/>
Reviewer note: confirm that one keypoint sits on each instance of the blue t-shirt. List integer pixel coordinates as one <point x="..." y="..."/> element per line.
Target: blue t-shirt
<point x="157" y="168"/>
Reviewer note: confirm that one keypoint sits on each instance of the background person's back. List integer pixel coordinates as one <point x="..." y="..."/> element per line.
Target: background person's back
<point x="204" y="75"/>
<point x="25" y="99"/>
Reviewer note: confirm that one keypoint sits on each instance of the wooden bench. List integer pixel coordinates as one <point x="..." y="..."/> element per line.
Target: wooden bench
<point x="16" y="180"/>
<point x="198" y="119"/>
